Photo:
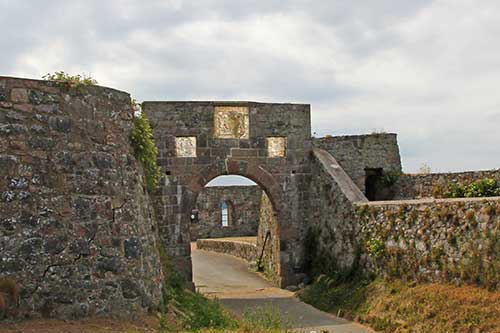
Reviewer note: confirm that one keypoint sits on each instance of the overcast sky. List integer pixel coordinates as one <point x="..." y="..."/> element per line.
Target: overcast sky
<point x="427" y="70"/>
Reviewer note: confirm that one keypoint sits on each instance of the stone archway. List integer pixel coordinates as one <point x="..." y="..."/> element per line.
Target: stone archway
<point x="267" y="143"/>
<point x="269" y="186"/>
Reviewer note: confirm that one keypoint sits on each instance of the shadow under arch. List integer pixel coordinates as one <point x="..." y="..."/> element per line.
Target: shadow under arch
<point x="257" y="174"/>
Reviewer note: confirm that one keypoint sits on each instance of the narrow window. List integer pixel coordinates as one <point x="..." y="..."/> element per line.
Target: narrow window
<point x="225" y="214"/>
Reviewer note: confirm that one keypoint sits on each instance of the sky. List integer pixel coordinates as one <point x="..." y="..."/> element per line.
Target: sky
<point x="428" y="70"/>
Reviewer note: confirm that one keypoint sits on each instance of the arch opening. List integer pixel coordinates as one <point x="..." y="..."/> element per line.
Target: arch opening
<point x="236" y="209"/>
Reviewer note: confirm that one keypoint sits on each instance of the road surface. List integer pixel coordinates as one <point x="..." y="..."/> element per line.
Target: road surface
<point x="229" y="279"/>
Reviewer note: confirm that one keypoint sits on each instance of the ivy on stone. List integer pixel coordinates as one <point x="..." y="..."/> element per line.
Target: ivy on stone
<point x="145" y="150"/>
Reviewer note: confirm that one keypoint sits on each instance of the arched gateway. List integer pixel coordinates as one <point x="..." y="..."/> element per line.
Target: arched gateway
<point x="267" y="143"/>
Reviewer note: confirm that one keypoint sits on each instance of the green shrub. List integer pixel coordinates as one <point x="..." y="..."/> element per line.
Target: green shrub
<point x="375" y="247"/>
<point x="481" y="188"/>
<point x="145" y="150"/>
<point x="390" y="177"/>
<point x="65" y="80"/>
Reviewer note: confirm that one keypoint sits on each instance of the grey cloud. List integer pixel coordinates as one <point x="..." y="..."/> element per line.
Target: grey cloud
<point x="406" y="66"/>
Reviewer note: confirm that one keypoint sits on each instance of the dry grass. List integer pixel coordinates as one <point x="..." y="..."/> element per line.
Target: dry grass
<point x="396" y="306"/>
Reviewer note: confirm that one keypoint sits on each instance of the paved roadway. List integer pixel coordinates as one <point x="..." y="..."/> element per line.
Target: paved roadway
<point x="229" y="279"/>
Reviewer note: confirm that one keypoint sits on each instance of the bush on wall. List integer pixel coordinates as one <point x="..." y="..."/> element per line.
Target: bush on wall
<point x="481" y="188"/>
<point x="145" y="150"/>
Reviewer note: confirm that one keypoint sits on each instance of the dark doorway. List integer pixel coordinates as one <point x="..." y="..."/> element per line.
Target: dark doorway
<point x="373" y="183"/>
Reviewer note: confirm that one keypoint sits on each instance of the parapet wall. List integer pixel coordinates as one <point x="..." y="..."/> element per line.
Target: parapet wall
<point x="243" y="209"/>
<point x="243" y="250"/>
<point x="76" y="231"/>
<point x="414" y="186"/>
<point x="444" y="239"/>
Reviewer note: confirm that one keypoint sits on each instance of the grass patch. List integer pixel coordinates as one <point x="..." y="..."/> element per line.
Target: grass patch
<point x="191" y="310"/>
<point x="397" y="306"/>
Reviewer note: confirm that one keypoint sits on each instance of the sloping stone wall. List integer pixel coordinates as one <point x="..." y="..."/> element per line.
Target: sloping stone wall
<point x="244" y="202"/>
<point x="414" y="186"/>
<point x="76" y="230"/>
<point x="332" y="242"/>
<point x="355" y="153"/>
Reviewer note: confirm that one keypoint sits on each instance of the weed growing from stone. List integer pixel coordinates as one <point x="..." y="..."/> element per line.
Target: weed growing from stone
<point x="65" y="80"/>
<point x="145" y="150"/>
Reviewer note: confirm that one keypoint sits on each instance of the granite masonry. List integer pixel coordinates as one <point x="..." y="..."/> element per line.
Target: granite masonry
<point x="76" y="231"/>
<point x="80" y="234"/>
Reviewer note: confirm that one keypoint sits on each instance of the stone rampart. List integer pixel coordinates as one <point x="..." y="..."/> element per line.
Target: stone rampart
<point x="76" y="231"/>
<point x="442" y="239"/>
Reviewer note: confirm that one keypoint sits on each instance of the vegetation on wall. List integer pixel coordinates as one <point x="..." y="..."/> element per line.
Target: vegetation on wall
<point x="404" y="242"/>
<point x="65" y="80"/>
<point x="145" y="150"/>
<point x="481" y="188"/>
<point x="390" y="177"/>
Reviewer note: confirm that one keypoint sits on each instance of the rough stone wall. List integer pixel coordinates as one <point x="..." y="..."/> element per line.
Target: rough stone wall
<point x="76" y="231"/>
<point x="244" y="204"/>
<point x="355" y="153"/>
<point x="443" y="239"/>
<point x="333" y="225"/>
<point x="268" y="251"/>
<point x="243" y="250"/>
<point x="427" y="239"/>
<point x="414" y="186"/>
<point x="284" y="178"/>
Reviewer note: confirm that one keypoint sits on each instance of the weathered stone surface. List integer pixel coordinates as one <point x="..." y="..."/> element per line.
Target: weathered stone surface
<point x="356" y="153"/>
<point x="415" y="186"/>
<point x="435" y="240"/>
<point x="268" y="241"/>
<point x="244" y="202"/>
<point x="70" y="250"/>
<point x="233" y="150"/>
<point x="243" y="250"/>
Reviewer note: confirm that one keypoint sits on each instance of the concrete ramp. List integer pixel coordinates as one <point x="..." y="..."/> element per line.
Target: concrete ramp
<point x="239" y="289"/>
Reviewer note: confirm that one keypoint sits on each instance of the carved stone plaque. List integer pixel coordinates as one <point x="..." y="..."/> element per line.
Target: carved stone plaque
<point x="276" y="146"/>
<point x="231" y="122"/>
<point x="185" y="146"/>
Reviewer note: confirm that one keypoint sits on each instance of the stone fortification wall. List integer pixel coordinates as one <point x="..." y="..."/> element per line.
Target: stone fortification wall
<point x="243" y="209"/>
<point x="76" y="232"/>
<point x="443" y="239"/>
<point x="414" y="186"/>
<point x="355" y="153"/>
